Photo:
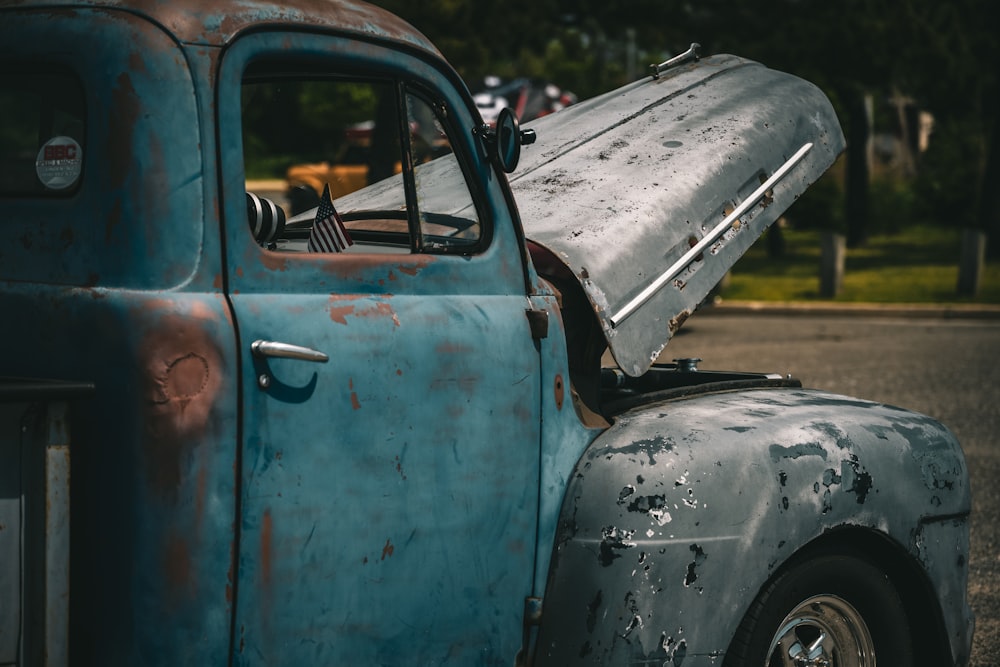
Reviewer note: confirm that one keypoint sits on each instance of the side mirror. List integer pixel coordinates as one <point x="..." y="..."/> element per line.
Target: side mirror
<point x="505" y="141"/>
<point x="267" y="220"/>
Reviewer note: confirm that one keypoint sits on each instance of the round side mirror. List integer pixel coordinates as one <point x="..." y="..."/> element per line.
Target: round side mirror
<point x="508" y="137"/>
<point x="267" y="220"/>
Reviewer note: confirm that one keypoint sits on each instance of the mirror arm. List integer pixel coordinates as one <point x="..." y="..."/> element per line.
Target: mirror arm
<point x="514" y="139"/>
<point x="486" y="133"/>
<point x="489" y="135"/>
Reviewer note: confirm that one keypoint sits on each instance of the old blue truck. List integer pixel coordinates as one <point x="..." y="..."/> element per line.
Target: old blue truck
<point x="449" y="433"/>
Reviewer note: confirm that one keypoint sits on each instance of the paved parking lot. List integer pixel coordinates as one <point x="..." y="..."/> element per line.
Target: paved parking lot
<point x="945" y="367"/>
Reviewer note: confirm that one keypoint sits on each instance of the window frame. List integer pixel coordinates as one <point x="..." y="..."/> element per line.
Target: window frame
<point x="270" y="67"/>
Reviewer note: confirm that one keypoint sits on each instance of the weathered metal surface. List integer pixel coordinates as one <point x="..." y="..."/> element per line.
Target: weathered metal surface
<point x="399" y="502"/>
<point x="143" y="226"/>
<point x="35" y="520"/>
<point x="633" y="190"/>
<point x="678" y="514"/>
<point x="11" y="565"/>
<point x="218" y="22"/>
<point x="389" y="506"/>
<point x="152" y="469"/>
<point x="117" y="286"/>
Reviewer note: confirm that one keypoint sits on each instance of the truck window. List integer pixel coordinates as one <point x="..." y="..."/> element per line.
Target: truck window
<point x="354" y="166"/>
<point x="41" y="130"/>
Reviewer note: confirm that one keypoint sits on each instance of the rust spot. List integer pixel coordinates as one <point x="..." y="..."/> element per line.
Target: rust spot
<point x="185" y="377"/>
<point x="177" y="566"/>
<point x="450" y="348"/>
<point x="676" y="322"/>
<point x="560" y="391"/>
<point x="181" y="375"/>
<point x="692" y="242"/>
<point x="232" y="560"/>
<point x="339" y="314"/>
<point x="125" y="112"/>
<point x="199" y="499"/>
<point x="136" y="62"/>
<point x="190" y="26"/>
<point x="355" y="403"/>
<point x="266" y="538"/>
<point x="392" y="278"/>
<point x="364" y="267"/>
<point x="387" y="550"/>
<point x="381" y="309"/>
<point x="274" y="261"/>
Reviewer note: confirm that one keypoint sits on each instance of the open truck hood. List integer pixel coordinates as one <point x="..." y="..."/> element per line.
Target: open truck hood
<point x="650" y="193"/>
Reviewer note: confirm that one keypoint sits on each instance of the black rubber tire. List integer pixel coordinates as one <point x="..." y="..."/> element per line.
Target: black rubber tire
<point x="843" y="577"/>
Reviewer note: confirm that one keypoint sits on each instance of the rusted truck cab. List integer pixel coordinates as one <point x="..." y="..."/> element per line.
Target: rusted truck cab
<point x="240" y="443"/>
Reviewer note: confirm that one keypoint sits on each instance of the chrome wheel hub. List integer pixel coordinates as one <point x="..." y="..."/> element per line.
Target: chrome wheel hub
<point x="822" y="631"/>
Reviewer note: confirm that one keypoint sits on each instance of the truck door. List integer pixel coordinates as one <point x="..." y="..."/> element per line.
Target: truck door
<point x="390" y="383"/>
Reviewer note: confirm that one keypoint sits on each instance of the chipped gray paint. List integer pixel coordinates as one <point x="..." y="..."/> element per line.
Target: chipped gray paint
<point x="689" y="506"/>
<point x="628" y="184"/>
<point x="678" y="511"/>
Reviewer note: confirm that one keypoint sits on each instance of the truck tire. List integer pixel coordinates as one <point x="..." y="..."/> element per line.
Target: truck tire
<point x="835" y="610"/>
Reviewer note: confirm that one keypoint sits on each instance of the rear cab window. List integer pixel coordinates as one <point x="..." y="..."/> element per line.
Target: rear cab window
<point x="42" y="130"/>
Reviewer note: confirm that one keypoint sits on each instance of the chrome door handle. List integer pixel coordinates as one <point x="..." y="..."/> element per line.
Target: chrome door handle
<point x="270" y="348"/>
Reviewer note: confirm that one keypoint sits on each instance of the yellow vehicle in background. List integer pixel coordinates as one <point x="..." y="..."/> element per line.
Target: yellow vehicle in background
<point x="357" y="165"/>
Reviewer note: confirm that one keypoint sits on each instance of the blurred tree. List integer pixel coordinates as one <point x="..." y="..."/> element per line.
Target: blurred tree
<point x="944" y="51"/>
<point x="937" y="53"/>
<point x="581" y="45"/>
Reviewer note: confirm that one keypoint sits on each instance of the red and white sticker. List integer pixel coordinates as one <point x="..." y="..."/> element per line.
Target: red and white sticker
<point x="59" y="163"/>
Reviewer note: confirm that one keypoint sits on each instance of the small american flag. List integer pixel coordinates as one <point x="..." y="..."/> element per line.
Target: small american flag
<point x="328" y="232"/>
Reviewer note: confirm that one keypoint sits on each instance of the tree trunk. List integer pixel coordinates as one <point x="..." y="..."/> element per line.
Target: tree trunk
<point x="970" y="265"/>
<point x="989" y="219"/>
<point x="857" y="178"/>
<point x="831" y="267"/>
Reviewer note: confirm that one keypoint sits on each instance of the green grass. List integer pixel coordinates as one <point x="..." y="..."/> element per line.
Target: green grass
<point x="918" y="265"/>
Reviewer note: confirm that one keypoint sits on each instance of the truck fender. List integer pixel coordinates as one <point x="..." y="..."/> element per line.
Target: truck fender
<point x="679" y="514"/>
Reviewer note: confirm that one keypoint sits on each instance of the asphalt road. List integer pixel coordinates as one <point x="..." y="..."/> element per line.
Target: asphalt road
<point x="947" y="368"/>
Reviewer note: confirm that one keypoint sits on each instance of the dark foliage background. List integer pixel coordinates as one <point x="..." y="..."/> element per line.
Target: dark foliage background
<point x="866" y="54"/>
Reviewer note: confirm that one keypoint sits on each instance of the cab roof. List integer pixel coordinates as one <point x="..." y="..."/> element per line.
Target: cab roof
<point x="217" y="22"/>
